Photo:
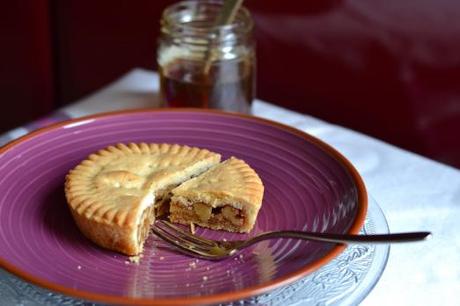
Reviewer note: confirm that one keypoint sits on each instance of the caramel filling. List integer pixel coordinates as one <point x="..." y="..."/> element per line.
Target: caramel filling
<point x="163" y="200"/>
<point x="159" y="209"/>
<point x="206" y="213"/>
<point x="161" y="206"/>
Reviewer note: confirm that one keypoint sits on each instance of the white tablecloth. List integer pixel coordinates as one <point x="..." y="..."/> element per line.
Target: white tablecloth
<point x="415" y="193"/>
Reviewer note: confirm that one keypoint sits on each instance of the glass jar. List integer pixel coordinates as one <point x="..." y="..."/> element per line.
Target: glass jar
<point x="202" y="64"/>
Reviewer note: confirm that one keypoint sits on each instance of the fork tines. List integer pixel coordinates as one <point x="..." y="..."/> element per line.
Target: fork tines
<point x="182" y="239"/>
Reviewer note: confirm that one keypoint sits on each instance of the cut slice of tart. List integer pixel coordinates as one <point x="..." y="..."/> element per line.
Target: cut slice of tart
<point x="226" y="197"/>
<point x="115" y="193"/>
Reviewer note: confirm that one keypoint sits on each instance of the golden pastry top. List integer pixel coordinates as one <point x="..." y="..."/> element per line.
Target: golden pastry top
<point x="117" y="183"/>
<point x="232" y="182"/>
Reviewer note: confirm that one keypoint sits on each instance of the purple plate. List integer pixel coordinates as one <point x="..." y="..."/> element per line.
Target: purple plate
<point x="308" y="186"/>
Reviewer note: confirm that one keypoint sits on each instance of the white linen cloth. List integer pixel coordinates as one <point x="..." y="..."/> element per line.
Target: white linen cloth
<point x="415" y="193"/>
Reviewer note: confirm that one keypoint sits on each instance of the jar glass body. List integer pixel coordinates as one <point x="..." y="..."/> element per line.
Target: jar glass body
<point x="204" y="65"/>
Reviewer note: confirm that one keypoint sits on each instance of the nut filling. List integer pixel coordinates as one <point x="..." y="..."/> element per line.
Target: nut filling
<point x="205" y="213"/>
<point x="222" y="217"/>
<point x="163" y="199"/>
<point x="161" y="206"/>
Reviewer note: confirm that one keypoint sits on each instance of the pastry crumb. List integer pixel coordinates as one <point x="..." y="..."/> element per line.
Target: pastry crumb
<point x="241" y="256"/>
<point x="224" y="239"/>
<point x="162" y="257"/>
<point x="192" y="264"/>
<point x="135" y="259"/>
<point x="192" y="228"/>
<point x="79" y="267"/>
<point x="205" y="278"/>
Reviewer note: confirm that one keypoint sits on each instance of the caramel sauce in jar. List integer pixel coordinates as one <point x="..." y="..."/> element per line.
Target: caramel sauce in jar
<point x="205" y="66"/>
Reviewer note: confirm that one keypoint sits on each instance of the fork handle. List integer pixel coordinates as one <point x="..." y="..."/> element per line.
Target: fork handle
<point x="344" y="238"/>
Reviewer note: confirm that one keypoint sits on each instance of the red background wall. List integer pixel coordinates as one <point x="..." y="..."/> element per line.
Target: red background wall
<point x="390" y="69"/>
<point x="26" y="70"/>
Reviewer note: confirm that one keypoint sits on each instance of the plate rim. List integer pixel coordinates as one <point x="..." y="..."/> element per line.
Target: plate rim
<point x="213" y="298"/>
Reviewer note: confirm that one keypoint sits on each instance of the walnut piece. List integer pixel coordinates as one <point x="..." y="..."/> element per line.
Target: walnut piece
<point x="233" y="215"/>
<point x="203" y="211"/>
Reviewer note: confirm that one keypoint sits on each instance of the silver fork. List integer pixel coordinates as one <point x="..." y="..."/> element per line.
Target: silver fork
<point x="215" y="250"/>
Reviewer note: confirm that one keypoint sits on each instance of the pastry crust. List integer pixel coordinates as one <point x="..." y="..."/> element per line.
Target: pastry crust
<point x="228" y="196"/>
<point x="111" y="193"/>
